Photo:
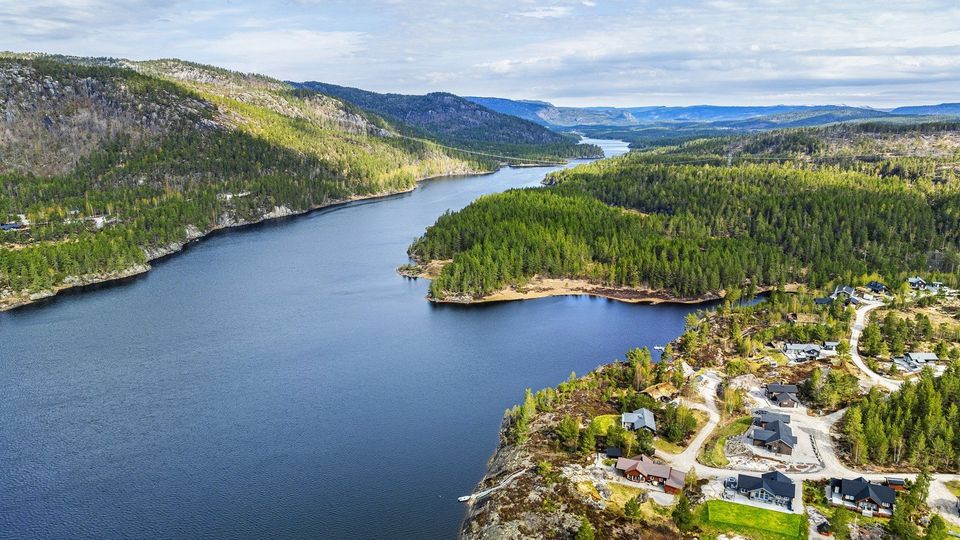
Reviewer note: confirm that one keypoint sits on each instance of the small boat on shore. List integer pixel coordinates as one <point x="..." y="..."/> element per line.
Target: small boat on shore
<point x="658" y="347"/>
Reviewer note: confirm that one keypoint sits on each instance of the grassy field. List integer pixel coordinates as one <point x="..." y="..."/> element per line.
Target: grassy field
<point x="603" y="423"/>
<point x="650" y="511"/>
<point x="712" y="453"/>
<point x="753" y="522"/>
<point x="620" y="493"/>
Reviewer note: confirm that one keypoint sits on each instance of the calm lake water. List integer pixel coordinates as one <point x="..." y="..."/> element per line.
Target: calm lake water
<point x="282" y="381"/>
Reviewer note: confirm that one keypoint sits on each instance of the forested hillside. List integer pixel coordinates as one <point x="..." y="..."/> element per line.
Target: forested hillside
<point x="505" y="238"/>
<point x="697" y="225"/>
<point x="456" y="121"/>
<point x="916" y="425"/>
<point x="105" y="163"/>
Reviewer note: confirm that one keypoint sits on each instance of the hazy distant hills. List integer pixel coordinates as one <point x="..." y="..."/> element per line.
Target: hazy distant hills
<point x="766" y="117"/>
<point x="944" y="109"/>
<point x="457" y="121"/>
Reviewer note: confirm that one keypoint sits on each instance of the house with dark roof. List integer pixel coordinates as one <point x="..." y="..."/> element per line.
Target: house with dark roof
<point x="896" y="484"/>
<point x="831" y="346"/>
<point x="782" y="395"/>
<point x="877" y="287"/>
<point x="763" y="418"/>
<point x="644" y="469"/>
<point x="639" y="419"/>
<point x="775" y="436"/>
<point x="862" y="495"/>
<point x="823" y="301"/>
<point x="773" y="487"/>
<point x="917" y="283"/>
<point x="799" y="352"/>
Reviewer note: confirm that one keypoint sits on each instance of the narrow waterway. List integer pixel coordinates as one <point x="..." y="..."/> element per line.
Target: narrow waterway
<point x="282" y="381"/>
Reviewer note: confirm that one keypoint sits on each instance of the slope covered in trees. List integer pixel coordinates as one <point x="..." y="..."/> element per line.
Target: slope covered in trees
<point x="700" y="228"/>
<point x="456" y="121"/>
<point x="506" y="238"/>
<point x="916" y="425"/>
<point x="106" y="162"/>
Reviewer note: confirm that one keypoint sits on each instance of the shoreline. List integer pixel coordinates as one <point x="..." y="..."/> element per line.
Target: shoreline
<point x="194" y="235"/>
<point x="538" y="287"/>
<point x="549" y="287"/>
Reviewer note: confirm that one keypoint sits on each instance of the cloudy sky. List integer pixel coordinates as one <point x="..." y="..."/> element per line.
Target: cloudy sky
<point x="570" y="52"/>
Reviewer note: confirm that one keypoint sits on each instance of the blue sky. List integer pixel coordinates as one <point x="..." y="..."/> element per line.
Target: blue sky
<point x="570" y="52"/>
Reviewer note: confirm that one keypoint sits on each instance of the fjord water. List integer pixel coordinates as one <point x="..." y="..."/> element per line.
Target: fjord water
<point x="282" y="381"/>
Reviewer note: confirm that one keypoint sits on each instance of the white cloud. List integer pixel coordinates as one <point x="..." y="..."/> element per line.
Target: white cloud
<point x="282" y="53"/>
<point x="623" y="52"/>
<point x="546" y="12"/>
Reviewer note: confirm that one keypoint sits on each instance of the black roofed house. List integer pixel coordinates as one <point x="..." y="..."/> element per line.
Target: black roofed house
<point x="10" y="226"/>
<point x="783" y="395"/>
<point x="799" y="352"/>
<point x="613" y="452"/>
<point x="862" y="495"/>
<point x="831" y="346"/>
<point x="776" y="436"/>
<point x="823" y="301"/>
<point x="917" y="282"/>
<point x="877" y="287"/>
<point x="764" y="418"/>
<point x="773" y="487"/>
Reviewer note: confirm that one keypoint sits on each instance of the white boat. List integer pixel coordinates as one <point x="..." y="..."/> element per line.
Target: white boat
<point x="465" y="498"/>
<point x="658" y="347"/>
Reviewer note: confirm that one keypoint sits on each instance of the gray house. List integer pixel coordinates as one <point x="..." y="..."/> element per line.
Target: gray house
<point x="763" y="418"/>
<point x="639" y="419"/>
<point x="783" y="395"/>
<point x="862" y="495"/>
<point x="799" y="352"/>
<point x="920" y="357"/>
<point x="773" y="487"/>
<point x="775" y="436"/>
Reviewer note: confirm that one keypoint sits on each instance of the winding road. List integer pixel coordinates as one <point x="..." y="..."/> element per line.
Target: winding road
<point x="858" y="325"/>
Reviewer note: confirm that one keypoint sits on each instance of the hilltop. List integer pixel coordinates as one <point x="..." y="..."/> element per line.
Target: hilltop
<point x="456" y="121"/>
<point x="109" y="163"/>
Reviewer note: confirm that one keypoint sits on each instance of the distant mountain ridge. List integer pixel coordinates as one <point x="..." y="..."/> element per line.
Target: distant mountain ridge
<point x="456" y="121"/>
<point x="946" y="109"/>
<point x="742" y="117"/>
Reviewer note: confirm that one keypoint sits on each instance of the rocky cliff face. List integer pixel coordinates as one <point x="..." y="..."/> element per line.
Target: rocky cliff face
<point x="52" y="118"/>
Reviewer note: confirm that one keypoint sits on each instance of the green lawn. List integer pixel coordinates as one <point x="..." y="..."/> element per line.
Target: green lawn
<point x="604" y="422"/>
<point x="753" y="522"/>
<point x="712" y="452"/>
